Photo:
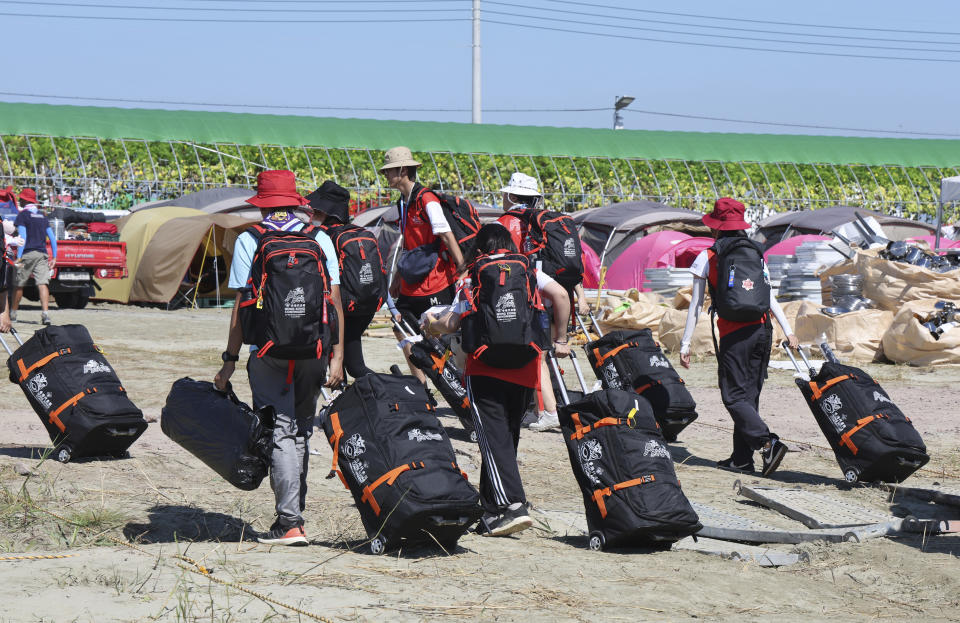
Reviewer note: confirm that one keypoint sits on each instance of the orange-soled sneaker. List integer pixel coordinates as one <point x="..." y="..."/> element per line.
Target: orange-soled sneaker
<point x="279" y="535"/>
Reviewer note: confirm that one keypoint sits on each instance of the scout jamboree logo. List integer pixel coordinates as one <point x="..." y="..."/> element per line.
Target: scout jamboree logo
<point x="655" y="450"/>
<point x="831" y="406"/>
<point x="352" y="448"/>
<point x="612" y="376"/>
<point x="591" y="451"/>
<point x="366" y="274"/>
<point x="36" y="385"/>
<point x="415" y="434"/>
<point x="506" y="308"/>
<point x="92" y="367"/>
<point x="881" y="398"/>
<point x="569" y="248"/>
<point x="295" y="304"/>
<point x="659" y="361"/>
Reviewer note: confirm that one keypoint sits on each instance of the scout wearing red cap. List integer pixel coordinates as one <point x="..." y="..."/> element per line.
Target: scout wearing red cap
<point x="277" y="189"/>
<point x="727" y="215"/>
<point x="27" y="196"/>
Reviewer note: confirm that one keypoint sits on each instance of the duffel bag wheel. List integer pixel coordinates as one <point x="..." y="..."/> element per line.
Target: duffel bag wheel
<point x="852" y="475"/>
<point x="378" y="545"/>
<point x="596" y="542"/>
<point x="64" y="453"/>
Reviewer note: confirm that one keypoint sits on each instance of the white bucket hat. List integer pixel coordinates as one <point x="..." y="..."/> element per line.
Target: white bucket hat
<point x="398" y="157"/>
<point x="522" y="185"/>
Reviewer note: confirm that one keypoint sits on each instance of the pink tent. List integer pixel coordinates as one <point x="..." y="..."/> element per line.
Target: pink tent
<point x="591" y="268"/>
<point x="945" y="243"/>
<point x="658" y="250"/>
<point x="789" y="246"/>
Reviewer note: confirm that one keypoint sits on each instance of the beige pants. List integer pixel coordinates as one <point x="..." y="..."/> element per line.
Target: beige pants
<point x="33" y="263"/>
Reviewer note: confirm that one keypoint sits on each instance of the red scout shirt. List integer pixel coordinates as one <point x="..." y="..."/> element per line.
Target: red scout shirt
<point x="418" y="231"/>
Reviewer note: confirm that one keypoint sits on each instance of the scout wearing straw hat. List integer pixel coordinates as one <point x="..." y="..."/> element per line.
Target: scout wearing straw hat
<point x="743" y="351"/>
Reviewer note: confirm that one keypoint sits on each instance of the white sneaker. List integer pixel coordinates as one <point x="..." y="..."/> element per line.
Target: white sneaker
<point x="546" y="422"/>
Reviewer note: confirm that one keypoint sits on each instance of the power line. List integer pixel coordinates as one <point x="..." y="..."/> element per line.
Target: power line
<point x="208" y="9"/>
<point x="719" y="45"/>
<point x="294" y="107"/>
<point x="697" y="34"/>
<point x="240" y="21"/>
<point x="724" y="27"/>
<point x="751" y="21"/>
<point x="788" y="125"/>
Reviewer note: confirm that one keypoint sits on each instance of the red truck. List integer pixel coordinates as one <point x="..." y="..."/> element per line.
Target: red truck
<point x="78" y="262"/>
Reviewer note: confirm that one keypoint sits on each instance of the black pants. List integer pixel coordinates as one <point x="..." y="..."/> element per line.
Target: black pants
<point x="411" y="307"/>
<point x="498" y="408"/>
<point x="742" y="367"/>
<point x="353" y="328"/>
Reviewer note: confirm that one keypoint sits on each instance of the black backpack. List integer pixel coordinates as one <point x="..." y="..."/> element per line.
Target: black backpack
<point x="742" y="292"/>
<point x="463" y="219"/>
<point x="288" y="312"/>
<point x="506" y="326"/>
<point x="555" y="242"/>
<point x="363" y="281"/>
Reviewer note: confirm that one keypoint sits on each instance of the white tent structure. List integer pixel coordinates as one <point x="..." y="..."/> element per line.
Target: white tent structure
<point x="949" y="191"/>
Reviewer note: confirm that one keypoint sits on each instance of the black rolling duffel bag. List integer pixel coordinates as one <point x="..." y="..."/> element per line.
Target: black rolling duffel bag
<point x="227" y="435"/>
<point x="76" y="393"/>
<point x="392" y="453"/>
<point x="435" y="360"/>
<point x="870" y="436"/>
<point x="633" y="360"/>
<point x="625" y="471"/>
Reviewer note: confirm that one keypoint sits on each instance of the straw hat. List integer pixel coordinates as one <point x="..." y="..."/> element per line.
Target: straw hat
<point x="522" y="185"/>
<point x="398" y="157"/>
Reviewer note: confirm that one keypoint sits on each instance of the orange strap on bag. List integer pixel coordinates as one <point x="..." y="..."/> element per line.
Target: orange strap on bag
<point x="71" y="402"/>
<point x="846" y="440"/>
<point x="25" y="371"/>
<point x="583" y="430"/>
<point x="600" y="494"/>
<point x="335" y="444"/>
<point x="601" y="358"/>
<point x="389" y="478"/>
<point x="818" y="391"/>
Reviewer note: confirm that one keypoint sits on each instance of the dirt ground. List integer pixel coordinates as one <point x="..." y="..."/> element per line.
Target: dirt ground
<point x="179" y="514"/>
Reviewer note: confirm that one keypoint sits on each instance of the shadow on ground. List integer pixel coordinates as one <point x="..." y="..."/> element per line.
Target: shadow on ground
<point x="169" y="523"/>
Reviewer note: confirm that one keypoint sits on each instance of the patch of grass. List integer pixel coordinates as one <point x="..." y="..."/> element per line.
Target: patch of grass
<point x="96" y="518"/>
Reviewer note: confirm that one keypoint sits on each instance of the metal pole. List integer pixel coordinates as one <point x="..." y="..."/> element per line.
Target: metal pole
<point x="476" y="62"/>
<point x="936" y="244"/>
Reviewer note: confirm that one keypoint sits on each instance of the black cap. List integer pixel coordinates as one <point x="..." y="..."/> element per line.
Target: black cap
<point x="331" y="199"/>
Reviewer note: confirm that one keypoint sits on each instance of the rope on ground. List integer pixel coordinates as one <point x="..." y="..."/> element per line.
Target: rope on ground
<point x="46" y="557"/>
<point x="939" y="472"/>
<point x="260" y="596"/>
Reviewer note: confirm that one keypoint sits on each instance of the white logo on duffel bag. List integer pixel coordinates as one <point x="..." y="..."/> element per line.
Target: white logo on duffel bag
<point x="36" y="385"/>
<point x="354" y="446"/>
<point x="359" y="469"/>
<point x="506" y="308"/>
<point x="366" y="274"/>
<point x="612" y="376"/>
<point x="831" y="406"/>
<point x="655" y="449"/>
<point x="659" y="361"/>
<point x="295" y="304"/>
<point x="569" y="248"/>
<point x="881" y="398"/>
<point x="92" y="367"/>
<point x="591" y="451"/>
<point x="416" y="435"/>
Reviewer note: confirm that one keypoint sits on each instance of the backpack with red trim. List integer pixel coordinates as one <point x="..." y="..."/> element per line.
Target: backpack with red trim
<point x="506" y="325"/>
<point x="363" y="280"/>
<point x="288" y="312"/>
<point x="742" y="290"/>
<point x="463" y="219"/>
<point x="554" y="240"/>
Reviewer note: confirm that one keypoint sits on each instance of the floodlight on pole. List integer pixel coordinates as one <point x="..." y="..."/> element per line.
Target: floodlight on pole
<point x="619" y="103"/>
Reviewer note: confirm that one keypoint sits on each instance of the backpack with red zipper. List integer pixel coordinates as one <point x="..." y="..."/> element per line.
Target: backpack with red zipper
<point x="506" y="325"/>
<point x="288" y="312"/>
<point x="363" y="280"/>
<point x="554" y="241"/>
<point x="462" y="217"/>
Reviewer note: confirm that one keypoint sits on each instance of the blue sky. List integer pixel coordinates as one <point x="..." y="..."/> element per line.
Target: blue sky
<point x="305" y="59"/>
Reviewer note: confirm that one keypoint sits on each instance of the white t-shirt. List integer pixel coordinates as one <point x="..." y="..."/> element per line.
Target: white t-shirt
<point x="701" y="266"/>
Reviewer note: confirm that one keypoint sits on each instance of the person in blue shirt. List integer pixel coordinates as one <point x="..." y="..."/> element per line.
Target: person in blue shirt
<point x="295" y="402"/>
<point x="32" y="259"/>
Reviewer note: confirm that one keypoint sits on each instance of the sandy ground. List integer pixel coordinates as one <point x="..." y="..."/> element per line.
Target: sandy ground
<point x="168" y="503"/>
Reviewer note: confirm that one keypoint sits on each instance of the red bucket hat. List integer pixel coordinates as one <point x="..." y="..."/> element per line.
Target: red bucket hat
<point x="28" y="194"/>
<point x="277" y="189"/>
<point x="727" y="215"/>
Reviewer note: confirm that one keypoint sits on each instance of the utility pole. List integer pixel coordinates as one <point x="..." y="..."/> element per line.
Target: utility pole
<point x="476" y="62"/>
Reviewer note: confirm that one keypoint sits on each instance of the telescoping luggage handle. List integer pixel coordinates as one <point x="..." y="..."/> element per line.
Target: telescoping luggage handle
<point x="583" y="325"/>
<point x="555" y="369"/>
<point x="16" y="336"/>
